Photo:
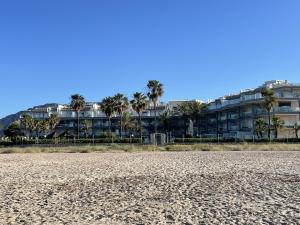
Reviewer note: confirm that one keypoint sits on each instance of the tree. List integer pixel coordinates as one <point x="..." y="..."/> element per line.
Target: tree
<point x="108" y="107"/>
<point x="77" y="104"/>
<point x="277" y="124"/>
<point x="127" y="122"/>
<point x="44" y="126"/>
<point x="28" y="124"/>
<point x="139" y="104"/>
<point x="165" y="118"/>
<point x="196" y="108"/>
<point x="269" y="101"/>
<point x="155" y="91"/>
<point x="259" y="127"/>
<point x="190" y="110"/>
<point x="13" y="131"/>
<point x="53" y="121"/>
<point x="37" y="127"/>
<point x="87" y="125"/>
<point x="121" y="104"/>
<point x="41" y="126"/>
<point x="296" y="128"/>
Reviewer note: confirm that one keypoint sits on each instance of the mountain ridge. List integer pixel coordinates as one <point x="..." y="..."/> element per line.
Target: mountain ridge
<point x="7" y="120"/>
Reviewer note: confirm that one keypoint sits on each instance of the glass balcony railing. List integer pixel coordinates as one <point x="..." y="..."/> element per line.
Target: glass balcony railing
<point x="222" y="118"/>
<point x="279" y="110"/>
<point x="234" y="128"/>
<point x="248" y="113"/>
<point x="212" y="120"/>
<point x="287" y="109"/>
<point x="233" y="116"/>
<point x="287" y="95"/>
<point x="252" y="97"/>
<point x="243" y="98"/>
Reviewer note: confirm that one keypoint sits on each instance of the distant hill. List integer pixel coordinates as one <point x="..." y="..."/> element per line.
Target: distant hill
<point x="6" y="121"/>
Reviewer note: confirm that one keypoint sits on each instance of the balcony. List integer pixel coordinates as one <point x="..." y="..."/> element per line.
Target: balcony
<point x="222" y="118"/>
<point x="245" y="127"/>
<point x="233" y="116"/>
<point x="286" y="109"/>
<point x="234" y="127"/>
<point x="247" y="113"/>
<point x="287" y="95"/>
<point x="212" y="120"/>
<point x="243" y="98"/>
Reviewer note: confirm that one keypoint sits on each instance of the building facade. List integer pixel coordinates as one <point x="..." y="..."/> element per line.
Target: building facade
<point x="231" y="116"/>
<point x="235" y="115"/>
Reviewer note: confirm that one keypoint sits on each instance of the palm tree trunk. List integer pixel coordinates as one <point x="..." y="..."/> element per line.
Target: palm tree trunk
<point x="37" y="135"/>
<point x="109" y="125"/>
<point x="155" y="124"/>
<point x="141" y="132"/>
<point x="186" y="126"/>
<point x="269" y="125"/>
<point x="77" y="125"/>
<point x="109" y="128"/>
<point x="198" y="125"/>
<point x="276" y="133"/>
<point x="120" y="132"/>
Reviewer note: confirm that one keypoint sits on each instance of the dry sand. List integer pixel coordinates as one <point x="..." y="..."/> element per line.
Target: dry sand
<point x="151" y="188"/>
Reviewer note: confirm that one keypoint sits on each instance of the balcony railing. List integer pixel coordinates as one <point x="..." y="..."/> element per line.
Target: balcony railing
<point x="233" y="116"/>
<point x="279" y="110"/>
<point x="248" y="113"/>
<point x="222" y="118"/>
<point x="245" y="98"/>
<point x="235" y="101"/>
<point x="287" y="95"/>
<point x="212" y="120"/>
<point x="234" y="127"/>
<point x="287" y="109"/>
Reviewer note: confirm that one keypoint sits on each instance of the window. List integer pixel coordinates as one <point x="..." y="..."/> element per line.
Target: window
<point x="284" y="104"/>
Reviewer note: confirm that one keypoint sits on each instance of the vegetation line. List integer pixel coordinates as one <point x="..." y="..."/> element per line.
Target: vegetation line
<point x="152" y="148"/>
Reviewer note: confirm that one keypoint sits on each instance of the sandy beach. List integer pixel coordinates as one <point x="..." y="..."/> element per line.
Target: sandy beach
<point x="151" y="188"/>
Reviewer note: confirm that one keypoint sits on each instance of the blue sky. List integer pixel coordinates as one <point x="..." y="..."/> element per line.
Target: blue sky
<point x="198" y="48"/>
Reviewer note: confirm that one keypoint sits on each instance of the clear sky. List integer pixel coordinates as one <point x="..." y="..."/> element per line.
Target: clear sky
<point x="198" y="48"/>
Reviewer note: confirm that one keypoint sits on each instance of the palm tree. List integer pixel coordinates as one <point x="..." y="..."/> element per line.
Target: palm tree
<point x="28" y="123"/>
<point x="269" y="101"/>
<point x="139" y="104"/>
<point x="121" y="104"/>
<point x="108" y="107"/>
<point x="155" y="91"/>
<point x="165" y="119"/>
<point x="259" y="127"/>
<point x="277" y="124"/>
<point x="41" y="126"/>
<point x="53" y="121"/>
<point x="44" y="126"/>
<point x="37" y="126"/>
<point x="87" y="125"/>
<point x="77" y="104"/>
<point x="190" y="111"/>
<point x="127" y="122"/>
<point x="296" y="128"/>
<point x="196" y="108"/>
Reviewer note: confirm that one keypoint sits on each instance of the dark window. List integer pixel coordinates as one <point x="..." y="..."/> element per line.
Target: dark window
<point x="282" y="104"/>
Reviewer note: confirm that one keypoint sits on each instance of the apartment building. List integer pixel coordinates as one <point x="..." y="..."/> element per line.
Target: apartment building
<point x="232" y="115"/>
<point x="235" y="115"/>
<point x="93" y="113"/>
